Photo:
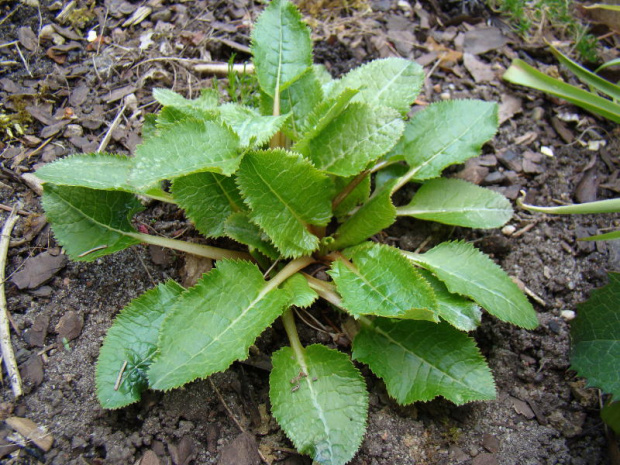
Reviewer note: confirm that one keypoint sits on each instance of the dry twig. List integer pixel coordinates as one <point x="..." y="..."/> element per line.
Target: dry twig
<point x="5" y="332"/>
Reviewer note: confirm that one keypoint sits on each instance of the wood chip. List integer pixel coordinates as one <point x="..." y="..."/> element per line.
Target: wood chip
<point x="31" y="431"/>
<point x="38" y="270"/>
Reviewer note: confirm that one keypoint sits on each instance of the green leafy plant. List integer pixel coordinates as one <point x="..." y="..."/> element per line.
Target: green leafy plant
<point x="596" y="345"/>
<point x="523" y="74"/>
<point x="306" y="179"/>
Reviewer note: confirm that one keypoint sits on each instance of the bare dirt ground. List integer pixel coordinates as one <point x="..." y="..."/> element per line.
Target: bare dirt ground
<point x="70" y="95"/>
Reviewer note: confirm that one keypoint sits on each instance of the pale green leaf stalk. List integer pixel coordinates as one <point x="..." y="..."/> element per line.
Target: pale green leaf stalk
<point x="299" y="189"/>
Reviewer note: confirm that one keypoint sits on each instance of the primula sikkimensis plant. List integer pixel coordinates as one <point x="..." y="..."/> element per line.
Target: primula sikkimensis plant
<point x="307" y="179"/>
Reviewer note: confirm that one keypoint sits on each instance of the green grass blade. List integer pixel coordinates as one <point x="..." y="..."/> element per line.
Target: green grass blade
<point x="600" y="206"/>
<point x="523" y="74"/>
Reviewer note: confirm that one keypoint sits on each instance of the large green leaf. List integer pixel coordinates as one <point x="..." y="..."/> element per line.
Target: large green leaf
<point x="252" y="128"/>
<point x="204" y="104"/>
<point x="467" y="271"/>
<point x="457" y="310"/>
<point x="446" y="133"/>
<point x="208" y="200"/>
<point x="357" y="196"/>
<point x="357" y="136"/>
<point x="102" y="171"/>
<point x="320" y="401"/>
<point x="214" y="323"/>
<point x="286" y="195"/>
<point x="190" y="146"/>
<point x="130" y="345"/>
<point x="596" y="337"/>
<point x="372" y="217"/>
<point x="90" y="223"/>
<point x="381" y="281"/>
<point x="420" y="360"/>
<point x="299" y="291"/>
<point x="457" y="202"/>
<point x="392" y="82"/>
<point x="281" y="46"/>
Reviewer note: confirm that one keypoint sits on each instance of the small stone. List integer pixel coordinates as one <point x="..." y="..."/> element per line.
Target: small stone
<point x="445" y="96"/>
<point x="496" y="177"/>
<point x="548" y="151"/>
<point x="70" y="326"/>
<point x="73" y="130"/>
<point x="568" y="315"/>
<point x="538" y="113"/>
<point x="484" y="459"/>
<point x="529" y="167"/>
<point x="487" y="160"/>
<point x="510" y="160"/>
<point x="508" y="230"/>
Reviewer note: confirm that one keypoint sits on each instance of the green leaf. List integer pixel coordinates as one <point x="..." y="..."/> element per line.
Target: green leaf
<point x="457" y="202"/>
<point x="523" y="74"/>
<point x="600" y="206"/>
<point x="299" y="291"/>
<point x="103" y="171"/>
<point x="359" y="135"/>
<point x="214" y="323"/>
<point x="286" y="195"/>
<point x="467" y="271"/>
<point x="391" y="82"/>
<point x="206" y="102"/>
<point x="252" y="128"/>
<point x="611" y="236"/>
<point x="189" y="147"/>
<point x="321" y="117"/>
<point x="611" y="415"/>
<point x="130" y="345"/>
<point x="460" y="312"/>
<point x="281" y="47"/>
<point x="208" y="200"/>
<point x="420" y="360"/>
<point x="371" y="218"/>
<point x="90" y="223"/>
<point x="596" y="338"/>
<point x="382" y="282"/>
<point x="357" y="196"/>
<point x="320" y="401"/>
<point x="446" y="133"/>
<point x="240" y="228"/>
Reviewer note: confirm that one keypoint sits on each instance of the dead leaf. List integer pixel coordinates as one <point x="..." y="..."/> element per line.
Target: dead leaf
<point x="480" y="71"/>
<point x="32" y="370"/>
<point x="243" y="450"/>
<point x="448" y="58"/>
<point x="36" y="334"/>
<point x="53" y="129"/>
<point x="27" y="38"/>
<point x="119" y="93"/>
<point x="31" y="431"/>
<point x="193" y="269"/>
<point x="509" y="106"/>
<point x="70" y="326"/>
<point x="522" y="408"/>
<point x="479" y="41"/>
<point x="38" y="270"/>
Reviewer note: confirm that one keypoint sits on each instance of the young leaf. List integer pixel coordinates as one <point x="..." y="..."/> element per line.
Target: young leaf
<point x="206" y="102"/>
<point x="382" y="282"/>
<point x="208" y="200"/>
<point x="460" y="312"/>
<point x="374" y="216"/>
<point x="359" y="135"/>
<point x="392" y="82"/>
<point x="457" y="202"/>
<point x="596" y="338"/>
<point x="320" y="402"/>
<point x="90" y="223"/>
<point x="446" y="133"/>
<point x="298" y="100"/>
<point x="240" y="228"/>
<point x="252" y="128"/>
<point x="286" y="195"/>
<point x="130" y="345"/>
<point x="467" y="271"/>
<point x="102" y="171"/>
<point x="214" y="323"/>
<point x="190" y="147"/>
<point x="420" y="360"/>
<point x="300" y="293"/>
<point x="281" y="47"/>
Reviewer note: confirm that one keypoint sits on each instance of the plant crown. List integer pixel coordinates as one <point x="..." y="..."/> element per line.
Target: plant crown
<point x="290" y="182"/>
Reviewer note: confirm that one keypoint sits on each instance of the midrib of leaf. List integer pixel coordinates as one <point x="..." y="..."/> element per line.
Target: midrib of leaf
<point x="368" y="322"/>
<point x="355" y="270"/>
<point x="353" y="147"/>
<point x="231" y="202"/>
<point x="412" y="256"/>
<point x="412" y="211"/>
<point x="451" y="143"/>
<point x="389" y="83"/>
<point x="293" y="212"/>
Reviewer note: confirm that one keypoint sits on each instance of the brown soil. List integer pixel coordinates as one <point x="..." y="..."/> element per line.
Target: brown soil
<point x="543" y="413"/>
